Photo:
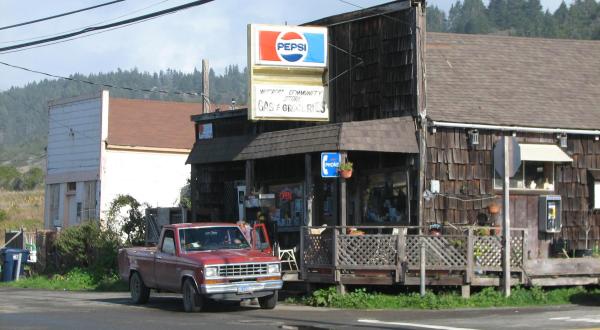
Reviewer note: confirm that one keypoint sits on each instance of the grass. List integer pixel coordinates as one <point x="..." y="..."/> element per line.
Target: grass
<point x="21" y="209"/>
<point x="488" y="297"/>
<point x="74" y="280"/>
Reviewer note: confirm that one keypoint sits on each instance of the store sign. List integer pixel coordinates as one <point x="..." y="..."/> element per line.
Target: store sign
<point x="287" y="73"/>
<point x="290" y="46"/>
<point x="330" y="162"/>
<point x="288" y="101"/>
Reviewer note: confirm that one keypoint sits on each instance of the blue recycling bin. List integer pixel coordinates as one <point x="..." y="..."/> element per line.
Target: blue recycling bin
<point x="10" y="263"/>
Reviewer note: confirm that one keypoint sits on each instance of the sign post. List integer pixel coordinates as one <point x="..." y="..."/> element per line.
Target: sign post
<point x="507" y="160"/>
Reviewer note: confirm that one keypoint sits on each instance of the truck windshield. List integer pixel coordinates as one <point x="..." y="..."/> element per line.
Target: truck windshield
<point x="212" y="238"/>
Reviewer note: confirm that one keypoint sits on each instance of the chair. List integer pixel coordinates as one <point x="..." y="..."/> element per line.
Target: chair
<point x="288" y="257"/>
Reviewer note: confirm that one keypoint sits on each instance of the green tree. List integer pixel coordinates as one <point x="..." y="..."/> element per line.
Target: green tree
<point x="436" y="19"/>
<point x="33" y="178"/>
<point x="132" y="224"/>
<point x="469" y="17"/>
<point x="9" y="175"/>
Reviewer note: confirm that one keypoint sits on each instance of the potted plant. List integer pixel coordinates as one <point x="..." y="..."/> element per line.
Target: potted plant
<point x="345" y="170"/>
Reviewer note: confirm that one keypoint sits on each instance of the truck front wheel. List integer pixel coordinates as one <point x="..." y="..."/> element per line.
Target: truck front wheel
<point x="268" y="302"/>
<point x="192" y="301"/>
<point x="139" y="291"/>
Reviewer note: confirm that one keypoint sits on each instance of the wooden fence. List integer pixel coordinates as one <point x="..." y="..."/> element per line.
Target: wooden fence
<point x="394" y="250"/>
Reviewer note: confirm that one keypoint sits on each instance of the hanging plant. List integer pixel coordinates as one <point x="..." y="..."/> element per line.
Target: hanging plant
<point x="346" y="169"/>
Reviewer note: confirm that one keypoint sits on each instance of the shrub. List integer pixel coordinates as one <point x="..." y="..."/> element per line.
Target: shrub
<point x="87" y="246"/>
<point x="3" y="215"/>
<point x="132" y="225"/>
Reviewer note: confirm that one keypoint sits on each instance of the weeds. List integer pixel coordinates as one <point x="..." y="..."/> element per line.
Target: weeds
<point x="75" y="280"/>
<point x="487" y="297"/>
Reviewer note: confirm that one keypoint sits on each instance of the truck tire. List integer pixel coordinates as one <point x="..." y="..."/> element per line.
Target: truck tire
<point x="268" y="302"/>
<point x="139" y="291"/>
<point x="192" y="301"/>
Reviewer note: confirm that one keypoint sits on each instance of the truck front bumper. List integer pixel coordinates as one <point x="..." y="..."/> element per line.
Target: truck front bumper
<point x="241" y="287"/>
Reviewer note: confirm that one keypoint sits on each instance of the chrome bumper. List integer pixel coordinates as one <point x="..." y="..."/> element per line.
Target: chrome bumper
<point x="241" y="287"/>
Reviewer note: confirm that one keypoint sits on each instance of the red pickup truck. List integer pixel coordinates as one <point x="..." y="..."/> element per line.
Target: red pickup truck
<point x="204" y="261"/>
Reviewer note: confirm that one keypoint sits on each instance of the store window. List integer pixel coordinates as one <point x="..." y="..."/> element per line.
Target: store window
<point x="385" y="199"/>
<point x="289" y="205"/>
<point x="531" y="175"/>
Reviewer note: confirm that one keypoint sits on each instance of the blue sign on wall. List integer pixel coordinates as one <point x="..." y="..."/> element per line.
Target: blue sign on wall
<point x="330" y="161"/>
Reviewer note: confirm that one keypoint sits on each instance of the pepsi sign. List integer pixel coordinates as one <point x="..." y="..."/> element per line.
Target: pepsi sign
<point x="289" y="46"/>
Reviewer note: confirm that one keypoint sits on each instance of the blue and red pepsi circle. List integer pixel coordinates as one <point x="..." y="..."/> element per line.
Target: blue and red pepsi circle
<point x="291" y="46"/>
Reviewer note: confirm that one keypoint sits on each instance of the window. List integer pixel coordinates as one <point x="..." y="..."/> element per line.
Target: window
<point x="54" y="197"/>
<point x="168" y="245"/>
<point x="385" y="198"/>
<point x="212" y="238"/>
<point x="289" y="205"/>
<point x="71" y="187"/>
<point x="532" y="175"/>
<point x="89" y="202"/>
<point x="536" y="172"/>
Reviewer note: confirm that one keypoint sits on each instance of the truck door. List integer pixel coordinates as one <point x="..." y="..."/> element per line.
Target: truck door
<point x="260" y="238"/>
<point x="165" y="263"/>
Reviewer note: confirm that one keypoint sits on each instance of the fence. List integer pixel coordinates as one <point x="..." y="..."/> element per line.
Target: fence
<point x="394" y="249"/>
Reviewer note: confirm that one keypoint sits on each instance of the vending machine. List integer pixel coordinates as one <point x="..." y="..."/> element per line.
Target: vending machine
<point x="550" y="214"/>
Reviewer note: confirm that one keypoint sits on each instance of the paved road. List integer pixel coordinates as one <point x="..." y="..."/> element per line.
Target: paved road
<point x="36" y="309"/>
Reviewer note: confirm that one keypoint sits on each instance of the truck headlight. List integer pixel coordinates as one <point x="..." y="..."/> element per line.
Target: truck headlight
<point x="210" y="272"/>
<point x="273" y="269"/>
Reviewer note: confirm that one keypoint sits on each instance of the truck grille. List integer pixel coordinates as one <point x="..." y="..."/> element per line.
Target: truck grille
<point x="237" y="270"/>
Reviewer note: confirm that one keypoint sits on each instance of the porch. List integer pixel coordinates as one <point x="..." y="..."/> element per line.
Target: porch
<point x="379" y="255"/>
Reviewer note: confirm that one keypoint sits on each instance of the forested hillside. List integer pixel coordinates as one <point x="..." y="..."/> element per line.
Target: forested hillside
<point x="23" y="110"/>
<point x="580" y="20"/>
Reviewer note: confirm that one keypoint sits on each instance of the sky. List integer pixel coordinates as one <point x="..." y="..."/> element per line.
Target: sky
<point x="215" y="31"/>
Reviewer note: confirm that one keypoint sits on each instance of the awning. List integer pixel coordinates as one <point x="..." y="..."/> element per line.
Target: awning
<point x="382" y="135"/>
<point x="543" y="153"/>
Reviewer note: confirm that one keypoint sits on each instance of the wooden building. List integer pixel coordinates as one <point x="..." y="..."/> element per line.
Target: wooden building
<point x="419" y="114"/>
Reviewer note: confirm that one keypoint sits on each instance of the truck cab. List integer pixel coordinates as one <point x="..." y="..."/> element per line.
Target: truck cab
<point x="205" y="261"/>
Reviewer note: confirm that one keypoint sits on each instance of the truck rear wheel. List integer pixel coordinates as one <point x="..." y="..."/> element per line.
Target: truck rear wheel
<point x="192" y="301"/>
<point x="139" y="291"/>
<point x="268" y="302"/>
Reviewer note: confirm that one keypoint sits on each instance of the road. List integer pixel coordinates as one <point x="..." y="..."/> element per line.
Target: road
<point x="38" y="309"/>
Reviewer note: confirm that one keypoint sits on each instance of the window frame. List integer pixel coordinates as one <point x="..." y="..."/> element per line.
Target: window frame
<point x="524" y="188"/>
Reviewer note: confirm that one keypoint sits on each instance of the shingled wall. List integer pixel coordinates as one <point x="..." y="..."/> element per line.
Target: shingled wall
<point x="467" y="173"/>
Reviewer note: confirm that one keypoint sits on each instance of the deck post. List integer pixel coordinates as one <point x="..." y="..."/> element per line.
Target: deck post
<point x="308" y="190"/>
<point x="470" y="256"/>
<point x="303" y="231"/>
<point x="423" y="264"/>
<point x="341" y="289"/>
<point x="506" y="256"/>
<point x="465" y="291"/>
<point x="401" y="248"/>
<point x="343" y="211"/>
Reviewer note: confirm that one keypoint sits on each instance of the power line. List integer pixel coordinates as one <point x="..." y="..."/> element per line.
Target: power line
<point x="132" y="89"/>
<point x="108" y="26"/>
<point x="71" y="30"/>
<point x="60" y="15"/>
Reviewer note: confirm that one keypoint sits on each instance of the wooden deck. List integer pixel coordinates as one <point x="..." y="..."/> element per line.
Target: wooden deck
<point x="392" y="256"/>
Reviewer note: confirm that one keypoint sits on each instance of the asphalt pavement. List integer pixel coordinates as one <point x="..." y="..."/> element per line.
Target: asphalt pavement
<point x="40" y="309"/>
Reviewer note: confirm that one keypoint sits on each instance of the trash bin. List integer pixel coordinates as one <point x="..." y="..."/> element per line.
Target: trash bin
<point x="10" y="263"/>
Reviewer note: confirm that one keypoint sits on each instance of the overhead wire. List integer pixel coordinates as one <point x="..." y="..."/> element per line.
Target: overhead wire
<point x="87" y="26"/>
<point x="60" y="15"/>
<point x="126" y="22"/>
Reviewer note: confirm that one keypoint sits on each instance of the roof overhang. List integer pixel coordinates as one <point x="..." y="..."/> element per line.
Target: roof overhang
<point x="383" y="135"/>
<point x="543" y="153"/>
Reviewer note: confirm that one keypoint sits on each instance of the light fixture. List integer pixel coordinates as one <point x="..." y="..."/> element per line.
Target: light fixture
<point x="596" y="137"/>
<point x="563" y="140"/>
<point x="473" y="137"/>
<point x="514" y="133"/>
<point x="433" y="129"/>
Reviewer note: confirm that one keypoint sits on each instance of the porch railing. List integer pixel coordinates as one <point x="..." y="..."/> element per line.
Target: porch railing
<point x="335" y="248"/>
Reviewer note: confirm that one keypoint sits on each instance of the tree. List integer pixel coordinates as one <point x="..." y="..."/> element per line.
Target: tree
<point x="469" y="17"/>
<point x="124" y="216"/>
<point x="436" y="19"/>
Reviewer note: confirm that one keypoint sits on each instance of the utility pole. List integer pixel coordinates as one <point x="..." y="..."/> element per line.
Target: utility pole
<point x="506" y="186"/>
<point x="205" y="86"/>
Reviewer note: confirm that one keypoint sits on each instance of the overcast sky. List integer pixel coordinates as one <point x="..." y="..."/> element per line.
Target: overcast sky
<point x="216" y="31"/>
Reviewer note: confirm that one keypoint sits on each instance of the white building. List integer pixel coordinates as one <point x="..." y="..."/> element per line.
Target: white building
<point x="100" y="147"/>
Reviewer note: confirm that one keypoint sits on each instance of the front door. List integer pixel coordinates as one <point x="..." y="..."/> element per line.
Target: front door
<point x="165" y="264"/>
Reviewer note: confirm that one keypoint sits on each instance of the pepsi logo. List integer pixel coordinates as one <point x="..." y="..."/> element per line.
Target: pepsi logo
<point x="291" y="46"/>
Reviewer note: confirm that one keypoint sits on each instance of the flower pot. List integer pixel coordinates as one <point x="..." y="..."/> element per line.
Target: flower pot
<point x="494" y="208"/>
<point x="346" y="174"/>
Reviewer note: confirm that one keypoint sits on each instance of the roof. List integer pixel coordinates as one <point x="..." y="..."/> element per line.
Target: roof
<point x="503" y="80"/>
<point x="151" y="124"/>
<point x="383" y="135"/>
